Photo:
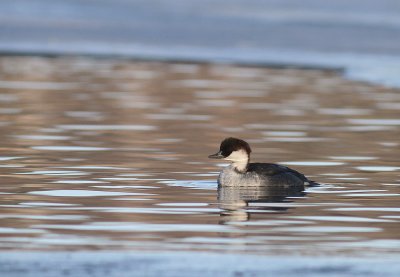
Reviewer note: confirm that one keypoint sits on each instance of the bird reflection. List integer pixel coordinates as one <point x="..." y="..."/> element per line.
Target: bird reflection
<point x="234" y="200"/>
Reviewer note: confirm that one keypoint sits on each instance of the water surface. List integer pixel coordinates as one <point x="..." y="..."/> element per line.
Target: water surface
<point x="110" y="154"/>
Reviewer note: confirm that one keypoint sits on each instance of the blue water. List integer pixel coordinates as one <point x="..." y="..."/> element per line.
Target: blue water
<point x="184" y="264"/>
<point x="362" y="37"/>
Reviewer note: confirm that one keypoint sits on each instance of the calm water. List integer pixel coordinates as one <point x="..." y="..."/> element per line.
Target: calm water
<point x="108" y="154"/>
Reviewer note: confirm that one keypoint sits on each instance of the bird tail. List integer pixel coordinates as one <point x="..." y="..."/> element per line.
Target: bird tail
<point x="313" y="184"/>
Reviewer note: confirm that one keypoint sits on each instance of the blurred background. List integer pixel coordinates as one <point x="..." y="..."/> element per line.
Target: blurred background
<point x="361" y="36"/>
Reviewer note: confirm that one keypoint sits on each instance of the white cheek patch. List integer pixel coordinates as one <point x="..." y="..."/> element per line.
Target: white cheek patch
<point x="237" y="156"/>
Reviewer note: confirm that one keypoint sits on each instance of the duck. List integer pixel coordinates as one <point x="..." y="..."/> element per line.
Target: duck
<point x="241" y="172"/>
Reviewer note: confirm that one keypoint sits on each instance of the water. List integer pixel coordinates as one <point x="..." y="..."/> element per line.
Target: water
<point x="112" y="155"/>
<point x="278" y="33"/>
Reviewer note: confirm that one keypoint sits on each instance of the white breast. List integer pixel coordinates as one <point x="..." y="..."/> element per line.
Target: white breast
<point x="230" y="177"/>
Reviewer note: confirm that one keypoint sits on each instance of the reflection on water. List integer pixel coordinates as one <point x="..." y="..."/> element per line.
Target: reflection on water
<point x="112" y="154"/>
<point x="234" y="201"/>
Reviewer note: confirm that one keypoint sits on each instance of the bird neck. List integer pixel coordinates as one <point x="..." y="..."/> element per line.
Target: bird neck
<point x="239" y="159"/>
<point x="241" y="165"/>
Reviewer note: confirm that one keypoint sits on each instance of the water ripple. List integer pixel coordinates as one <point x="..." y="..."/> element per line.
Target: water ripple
<point x="88" y="127"/>
<point x="362" y="121"/>
<point x="197" y="184"/>
<point x="378" y="168"/>
<point x="329" y="229"/>
<point x="112" y="154"/>
<point x="79" y="193"/>
<point x="313" y="163"/>
<point x="55" y="173"/>
<point x="139" y="227"/>
<point x="341" y="218"/>
<point x="71" y="148"/>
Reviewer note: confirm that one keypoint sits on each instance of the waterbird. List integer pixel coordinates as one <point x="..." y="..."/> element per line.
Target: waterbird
<point x="243" y="173"/>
